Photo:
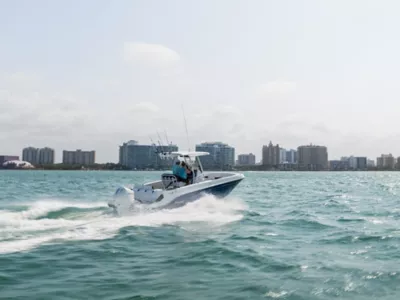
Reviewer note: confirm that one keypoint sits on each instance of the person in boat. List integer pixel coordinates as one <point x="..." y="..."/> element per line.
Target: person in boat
<point x="187" y="171"/>
<point x="179" y="171"/>
<point x="189" y="174"/>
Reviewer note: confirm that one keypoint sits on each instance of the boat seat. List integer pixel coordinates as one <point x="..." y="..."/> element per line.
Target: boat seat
<point x="169" y="181"/>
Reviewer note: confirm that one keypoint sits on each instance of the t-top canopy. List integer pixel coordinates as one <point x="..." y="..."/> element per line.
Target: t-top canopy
<point x="189" y="153"/>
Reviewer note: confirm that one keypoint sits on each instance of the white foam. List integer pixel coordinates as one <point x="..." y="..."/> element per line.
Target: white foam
<point x="271" y="234"/>
<point x="271" y="294"/>
<point x="21" y="231"/>
<point x="26" y="220"/>
<point x="43" y="207"/>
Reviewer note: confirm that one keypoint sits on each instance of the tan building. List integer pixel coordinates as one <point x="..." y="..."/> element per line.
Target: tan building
<point x="398" y="163"/>
<point x="271" y="155"/>
<point x="246" y="159"/>
<point x="385" y="161"/>
<point x="79" y="157"/>
<point x="312" y="158"/>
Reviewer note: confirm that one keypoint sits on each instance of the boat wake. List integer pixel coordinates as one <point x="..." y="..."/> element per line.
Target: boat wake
<point x="28" y="225"/>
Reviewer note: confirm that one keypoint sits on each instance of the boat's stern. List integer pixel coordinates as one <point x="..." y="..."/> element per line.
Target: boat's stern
<point x="122" y="200"/>
<point x="126" y="200"/>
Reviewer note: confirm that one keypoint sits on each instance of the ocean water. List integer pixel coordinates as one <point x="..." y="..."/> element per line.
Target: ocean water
<point x="279" y="235"/>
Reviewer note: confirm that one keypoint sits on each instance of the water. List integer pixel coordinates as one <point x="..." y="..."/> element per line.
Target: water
<point x="278" y="236"/>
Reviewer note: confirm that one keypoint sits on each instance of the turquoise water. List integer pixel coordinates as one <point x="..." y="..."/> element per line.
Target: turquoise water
<point x="278" y="236"/>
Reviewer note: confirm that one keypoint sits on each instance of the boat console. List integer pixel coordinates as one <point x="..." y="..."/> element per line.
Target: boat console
<point x="170" y="181"/>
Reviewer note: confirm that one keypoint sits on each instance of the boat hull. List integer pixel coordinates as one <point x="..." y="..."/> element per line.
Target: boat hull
<point x="124" y="199"/>
<point x="218" y="190"/>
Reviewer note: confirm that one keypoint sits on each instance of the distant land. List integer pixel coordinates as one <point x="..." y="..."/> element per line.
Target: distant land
<point x="119" y="167"/>
<point x="66" y="167"/>
<point x="294" y="167"/>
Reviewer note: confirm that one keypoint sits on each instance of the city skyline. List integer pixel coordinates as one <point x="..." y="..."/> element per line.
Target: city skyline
<point x="312" y="71"/>
<point x="256" y="151"/>
<point x="280" y="155"/>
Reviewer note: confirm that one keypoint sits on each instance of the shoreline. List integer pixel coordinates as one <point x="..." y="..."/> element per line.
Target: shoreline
<point x="254" y="168"/>
<point x="208" y="170"/>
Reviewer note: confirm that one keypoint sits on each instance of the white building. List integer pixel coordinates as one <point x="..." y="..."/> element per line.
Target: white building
<point x="79" y="157"/>
<point x="138" y="156"/>
<point x="222" y="156"/>
<point x="386" y="161"/>
<point x="287" y="156"/>
<point x="38" y="156"/>
<point x="355" y="162"/>
<point x="46" y="156"/>
<point x="291" y="156"/>
<point x="282" y="155"/>
<point x="31" y="154"/>
<point x="370" y="163"/>
<point x="246" y="159"/>
<point x="352" y="162"/>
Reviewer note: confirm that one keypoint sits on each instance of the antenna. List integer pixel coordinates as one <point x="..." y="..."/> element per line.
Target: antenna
<point x="151" y="140"/>
<point x="157" y="149"/>
<point x="169" y="146"/>
<point x="187" y="134"/>
<point x="166" y="137"/>
<point x="162" y="147"/>
<point x="153" y="144"/>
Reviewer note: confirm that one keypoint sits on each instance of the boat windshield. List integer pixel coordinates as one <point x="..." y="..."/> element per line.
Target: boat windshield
<point x="198" y="164"/>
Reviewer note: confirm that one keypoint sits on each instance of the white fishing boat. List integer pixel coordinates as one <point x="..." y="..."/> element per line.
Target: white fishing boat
<point x="170" y="191"/>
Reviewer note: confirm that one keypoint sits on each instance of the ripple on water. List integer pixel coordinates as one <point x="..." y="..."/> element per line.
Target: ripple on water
<point x="281" y="235"/>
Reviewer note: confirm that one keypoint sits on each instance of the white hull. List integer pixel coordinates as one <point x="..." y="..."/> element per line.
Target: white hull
<point x="155" y="195"/>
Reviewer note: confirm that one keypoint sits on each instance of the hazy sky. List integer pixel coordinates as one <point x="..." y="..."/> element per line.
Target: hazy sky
<point x="92" y="74"/>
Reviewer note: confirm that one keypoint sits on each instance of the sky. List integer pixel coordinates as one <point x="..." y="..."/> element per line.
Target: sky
<point x="93" y="74"/>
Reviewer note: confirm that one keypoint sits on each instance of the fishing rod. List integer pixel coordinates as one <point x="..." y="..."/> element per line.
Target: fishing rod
<point x="154" y="145"/>
<point x="166" y="137"/>
<point x="187" y="134"/>
<point x="162" y="147"/>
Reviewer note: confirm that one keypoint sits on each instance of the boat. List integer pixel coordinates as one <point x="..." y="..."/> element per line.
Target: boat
<point x="170" y="192"/>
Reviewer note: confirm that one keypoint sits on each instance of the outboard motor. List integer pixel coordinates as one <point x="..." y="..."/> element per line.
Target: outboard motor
<point x="123" y="200"/>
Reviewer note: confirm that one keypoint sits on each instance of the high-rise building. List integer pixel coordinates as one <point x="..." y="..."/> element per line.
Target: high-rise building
<point x="282" y="155"/>
<point x="38" y="156"/>
<point x="362" y="163"/>
<point x="46" y="156"/>
<point x="385" y="161"/>
<point x="270" y="154"/>
<point x="312" y="157"/>
<point x="355" y="162"/>
<point x="339" y="165"/>
<point x="379" y="162"/>
<point x="291" y="156"/>
<point x="222" y="156"/>
<point x="246" y="159"/>
<point x="352" y="162"/>
<point x="370" y="163"/>
<point x="136" y="156"/>
<point x="31" y="154"/>
<point x="79" y="157"/>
